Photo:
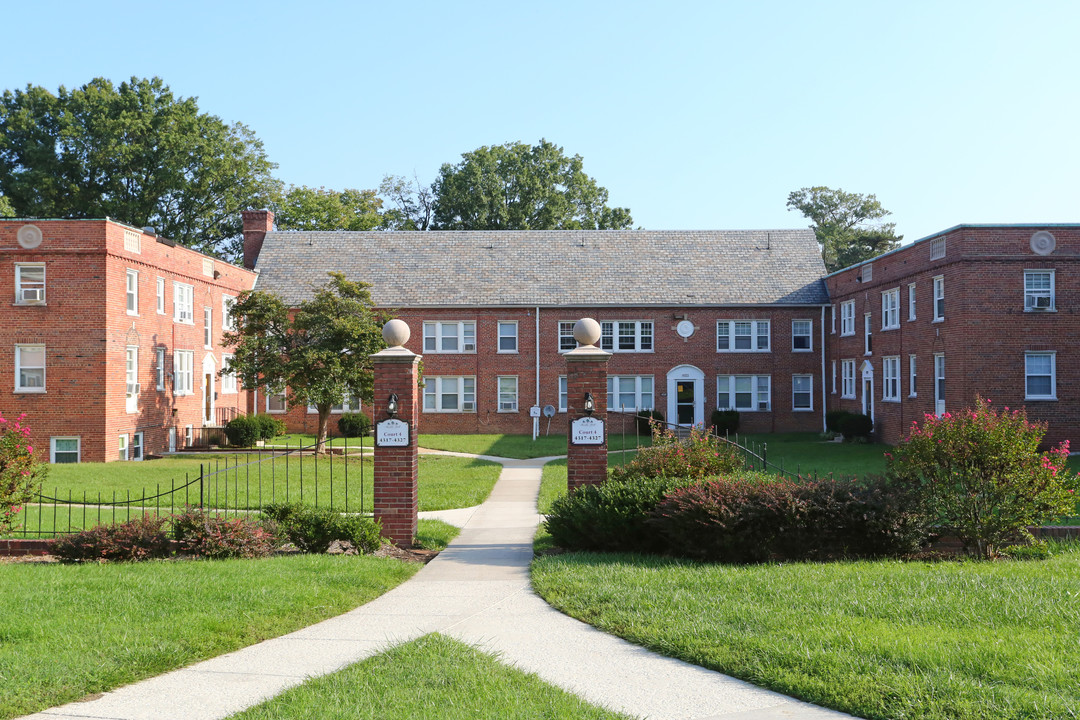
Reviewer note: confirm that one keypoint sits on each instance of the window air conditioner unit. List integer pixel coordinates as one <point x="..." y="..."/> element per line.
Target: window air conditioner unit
<point x="134" y="388"/>
<point x="1041" y="302"/>
<point x="33" y="295"/>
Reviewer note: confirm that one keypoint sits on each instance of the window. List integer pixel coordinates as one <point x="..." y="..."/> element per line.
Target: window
<point x="868" y="335"/>
<point x="937" y="249"/>
<point x="131" y="379"/>
<point x="890" y="387"/>
<point x="1038" y="290"/>
<point x="64" y="450"/>
<point x="30" y="368"/>
<point x="133" y="241"/>
<point x="847" y="318"/>
<point x="161" y="296"/>
<point x="890" y="309"/>
<point x="228" y="378"/>
<point x="276" y="402"/>
<point x="347" y="404"/>
<point x="227" y="302"/>
<point x="833" y="377"/>
<point x="159" y="362"/>
<point x="832" y="319"/>
<point x="208" y="327"/>
<point x="508" y="394"/>
<point x="911" y="302"/>
<point x="802" y="392"/>
<point x="746" y="393"/>
<point x="183" y="366"/>
<point x="1040" y="381"/>
<point x="450" y="337"/>
<point x="939" y="298"/>
<point x="132" y="292"/>
<point x="867" y="273"/>
<point x="847" y="378"/>
<point x="911" y="376"/>
<point x="566" y="336"/>
<point x="450" y="394"/>
<point x="123" y="447"/>
<point x="508" y="341"/>
<point x="137" y="446"/>
<point x="742" y="336"/>
<point x="630" y="392"/>
<point x="801" y="333"/>
<point x="939" y="384"/>
<point x="29" y="284"/>
<point x="562" y="393"/>
<point x="183" y="303"/>
<point x="626" y="336"/>
<point x="189" y="435"/>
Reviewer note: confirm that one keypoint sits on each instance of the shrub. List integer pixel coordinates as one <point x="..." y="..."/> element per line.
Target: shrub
<point x="312" y="529"/>
<point x="269" y="427"/>
<point x="856" y="425"/>
<point x="207" y="535"/>
<point x="725" y="421"/>
<point x="242" y="430"/>
<point x="982" y="476"/>
<point x="354" y="424"/>
<point x="647" y="419"/>
<point x="141" y="538"/>
<point x="834" y="420"/>
<point x="20" y="472"/>
<point x="699" y="456"/>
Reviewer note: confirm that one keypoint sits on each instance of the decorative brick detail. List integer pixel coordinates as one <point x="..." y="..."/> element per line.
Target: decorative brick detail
<point x="586" y="373"/>
<point x="395" y="488"/>
<point x="19" y="547"/>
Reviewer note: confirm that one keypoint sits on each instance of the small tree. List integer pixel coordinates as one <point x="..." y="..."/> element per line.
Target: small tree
<point x="320" y="350"/>
<point x="20" y="472"/>
<point x="982" y="474"/>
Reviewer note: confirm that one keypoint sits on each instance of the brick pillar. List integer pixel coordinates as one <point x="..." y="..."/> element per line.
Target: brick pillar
<point x="395" y="467"/>
<point x="256" y="224"/>
<point x="586" y="372"/>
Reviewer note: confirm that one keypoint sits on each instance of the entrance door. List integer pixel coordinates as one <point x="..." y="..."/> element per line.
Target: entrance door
<point x="209" y="368"/>
<point x="868" y="389"/>
<point x="939" y="384"/>
<point x="172" y="439"/>
<point x="685" y="391"/>
<point x="686" y="396"/>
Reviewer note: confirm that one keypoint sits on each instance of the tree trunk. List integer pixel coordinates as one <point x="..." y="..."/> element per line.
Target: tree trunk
<point x="320" y="433"/>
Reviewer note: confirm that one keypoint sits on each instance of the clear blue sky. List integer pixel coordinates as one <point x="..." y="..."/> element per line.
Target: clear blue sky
<point x="693" y="114"/>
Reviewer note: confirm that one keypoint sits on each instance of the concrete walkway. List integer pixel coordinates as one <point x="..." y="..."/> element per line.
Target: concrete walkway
<point x="477" y="591"/>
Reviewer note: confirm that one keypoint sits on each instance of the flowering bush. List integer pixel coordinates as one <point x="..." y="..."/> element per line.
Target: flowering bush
<point x="20" y="472"/>
<point x="700" y="456"/>
<point x="983" y="477"/>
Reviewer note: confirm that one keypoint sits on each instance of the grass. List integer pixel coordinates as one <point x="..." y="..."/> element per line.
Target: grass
<point x="435" y="534"/>
<point x="806" y="453"/>
<point x="308" y="439"/>
<point x="432" y="676"/>
<point x="887" y="639"/>
<point x="553" y="479"/>
<point x="519" y="446"/>
<point x="67" y="631"/>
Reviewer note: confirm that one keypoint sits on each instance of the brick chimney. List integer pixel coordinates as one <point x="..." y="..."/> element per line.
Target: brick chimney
<point x="256" y="224"/>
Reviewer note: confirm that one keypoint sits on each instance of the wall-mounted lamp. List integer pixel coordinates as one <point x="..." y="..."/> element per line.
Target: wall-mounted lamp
<point x="589" y="404"/>
<point x="858" y="278"/>
<point x="392" y="405"/>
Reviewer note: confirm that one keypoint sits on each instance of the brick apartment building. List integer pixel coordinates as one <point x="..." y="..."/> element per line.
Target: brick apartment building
<point x="110" y="342"/>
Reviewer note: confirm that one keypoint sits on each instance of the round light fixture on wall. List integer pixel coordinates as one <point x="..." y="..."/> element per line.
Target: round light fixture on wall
<point x="1043" y="243"/>
<point x="685" y="328"/>
<point x="29" y="236"/>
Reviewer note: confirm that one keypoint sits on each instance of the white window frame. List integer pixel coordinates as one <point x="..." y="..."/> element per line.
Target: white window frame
<point x="1028" y="357"/>
<point x="890" y="378"/>
<point x="809" y="335"/>
<point x="890" y="309"/>
<point x="564" y="393"/>
<point x="832" y="319"/>
<point x="189" y="435"/>
<point x="615" y="389"/>
<point x="159" y="360"/>
<point x="833" y="377"/>
<point x="847" y="379"/>
<point x="183" y="303"/>
<point x="435" y="390"/>
<point x="131" y="378"/>
<point x="29" y="288"/>
<point x="760" y="393"/>
<point x="868" y="334"/>
<point x="183" y="372"/>
<point x="937" y="248"/>
<point x="277" y="402"/>
<point x="228" y="379"/>
<point x="566" y="336"/>
<point x="913" y="375"/>
<point x="808" y="392"/>
<point x="208" y="327"/>
<point x="122" y="447"/>
<point x="1033" y="296"/>
<point x="507" y="386"/>
<point x="939" y="298"/>
<point x="131" y="291"/>
<point x="349" y="404"/>
<point x="614" y="333"/>
<point x="227" y="302"/>
<point x="137" y="449"/>
<point x="435" y="336"/>
<point x="847" y="318"/>
<point x="19" y="367"/>
<point x="939" y="382"/>
<point x="53" y="451"/>
<point x="500" y="335"/>
<point x="161" y="296"/>
<point x="755" y="335"/>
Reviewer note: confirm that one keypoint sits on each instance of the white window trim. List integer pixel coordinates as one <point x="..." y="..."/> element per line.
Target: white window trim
<point x="911" y="302"/>
<point x="609" y="336"/>
<point x="189" y="435"/>
<point x="939" y="284"/>
<point x="137" y="441"/>
<point x="498" y="389"/>
<point x="180" y="374"/>
<point x="1031" y="308"/>
<point x="868" y="334"/>
<point x="890" y="309"/>
<point x="284" y="402"/>
<point x="754" y="333"/>
<point x="228" y="379"/>
<point x="78" y="447"/>
<point x="131" y="291"/>
<point x="21" y="285"/>
<point x="613" y="393"/>
<point x="208" y="328"/>
<point x="19" y="367"/>
<point x="832" y="319"/>
<point x="846" y="378"/>
<point x="435" y="385"/>
<point x="183" y="300"/>
<point x="833" y="377"/>
<point x="499" y="336"/>
<point x="847" y="318"/>
<point x="346" y="406"/>
<point x="437" y="326"/>
<point x="810" y="393"/>
<point x="809" y="336"/>
<point x="161" y="296"/>
<point x="890" y="373"/>
<point x="122" y="447"/>
<point x="227" y="324"/>
<point x="912" y="375"/>
<point x="1053" y="374"/>
<point x="131" y="379"/>
<point x="755" y="393"/>
<point x="564" y="392"/>
<point x="159" y="359"/>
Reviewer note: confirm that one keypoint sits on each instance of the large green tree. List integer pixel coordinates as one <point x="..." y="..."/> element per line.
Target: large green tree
<point x="847" y="225"/>
<point x="5" y="207"/>
<point x="305" y="208"/>
<point x="318" y="351"/>
<point x="522" y="187"/>
<point x="412" y="203"/>
<point x="134" y="152"/>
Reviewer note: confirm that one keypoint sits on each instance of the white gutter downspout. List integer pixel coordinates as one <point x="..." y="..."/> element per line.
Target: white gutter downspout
<point x="537" y="355"/>
<point x="824" y="396"/>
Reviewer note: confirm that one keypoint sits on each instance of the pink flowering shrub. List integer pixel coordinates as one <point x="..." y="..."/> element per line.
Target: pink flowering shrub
<point x="699" y="456"/>
<point x="20" y="471"/>
<point x="983" y="477"/>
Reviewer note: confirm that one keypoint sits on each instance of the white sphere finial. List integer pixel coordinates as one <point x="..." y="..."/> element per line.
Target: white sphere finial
<point x="587" y="331"/>
<point x="396" y="333"/>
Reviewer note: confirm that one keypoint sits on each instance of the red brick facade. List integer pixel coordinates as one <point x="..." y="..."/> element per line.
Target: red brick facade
<point x="396" y="499"/>
<point x="586" y="374"/>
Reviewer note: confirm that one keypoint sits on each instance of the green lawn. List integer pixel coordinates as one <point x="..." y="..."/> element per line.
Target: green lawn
<point x="807" y="453"/>
<point x="888" y="639"/>
<point x="432" y="676"/>
<point x="518" y="446"/>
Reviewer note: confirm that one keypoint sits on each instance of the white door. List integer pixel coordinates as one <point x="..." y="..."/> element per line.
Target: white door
<point x="172" y="439"/>
<point x="868" y="389"/>
<point x="939" y="384"/>
<point x="209" y="372"/>
<point x="686" y="396"/>
<point x="131" y="373"/>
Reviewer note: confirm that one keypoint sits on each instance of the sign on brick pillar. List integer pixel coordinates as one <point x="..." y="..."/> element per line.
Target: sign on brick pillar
<point x="396" y="410"/>
<point x="586" y="400"/>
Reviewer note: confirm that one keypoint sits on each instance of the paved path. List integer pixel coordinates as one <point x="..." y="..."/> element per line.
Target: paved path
<point x="477" y="590"/>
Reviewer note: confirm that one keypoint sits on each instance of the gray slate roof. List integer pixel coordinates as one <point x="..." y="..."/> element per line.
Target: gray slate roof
<point x="552" y="267"/>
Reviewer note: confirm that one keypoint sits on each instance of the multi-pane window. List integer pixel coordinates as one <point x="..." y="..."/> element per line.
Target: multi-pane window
<point x="630" y="392"/>
<point x="276" y="401"/>
<point x="508" y="393"/>
<point x="63" y="450"/>
<point x="348" y="404"/>
<point x="29" y="368"/>
<point x="890" y="387"/>
<point x="832" y="320"/>
<point x="450" y="337"/>
<point x="227" y="302"/>
<point x="802" y="392"/>
<point x="159" y="367"/>
<point x="833" y="377"/>
<point x="123" y="447"/>
<point x="911" y="301"/>
<point x="742" y="336"/>
<point x="131" y="377"/>
<point x="801" y="334"/>
<point x="183" y="303"/>
<point x="208" y="327"/>
<point x="890" y="309"/>
<point x="508" y="336"/>
<point x="939" y="298"/>
<point x="183" y="372"/>
<point x="746" y="393"/>
<point x="228" y="377"/>
<point x="626" y="336"/>
<point x="847" y="378"/>
<point x="868" y="334"/>
<point x="562" y="393"/>
<point x="912" y="374"/>
<point x="939" y="383"/>
<point x="132" y="292"/>
<point x="937" y="249"/>
<point x="137" y="446"/>
<point x="847" y="318"/>
<point x="1038" y="290"/>
<point x="1040" y="381"/>
<point x="29" y="284"/>
<point x="566" y="336"/>
<point x="450" y="394"/>
<point x="161" y="296"/>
